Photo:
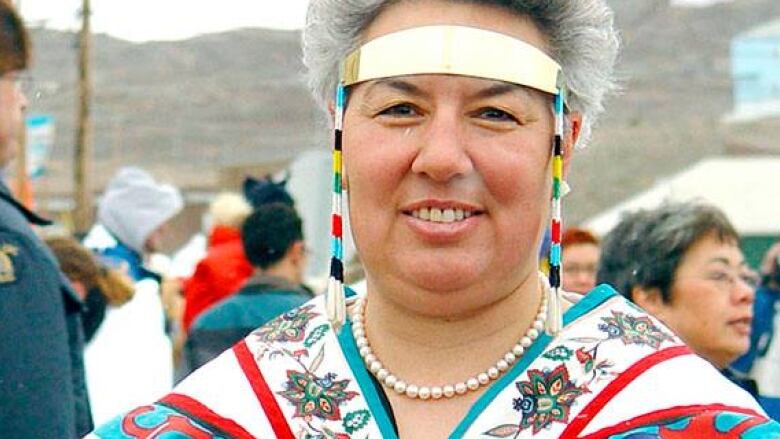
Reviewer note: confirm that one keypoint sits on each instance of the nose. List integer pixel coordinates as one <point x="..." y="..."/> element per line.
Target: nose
<point x="744" y="292"/>
<point x="443" y="153"/>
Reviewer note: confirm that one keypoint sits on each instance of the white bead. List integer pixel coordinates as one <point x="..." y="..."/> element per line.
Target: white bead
<point x="412" y="391"/>
<point x="472" y="384"/>
<point x="357" y="319"/>
<point x="518" y="350"/>
<point x="358" y="332"/>
<point x="391" y="380"/>
<point x="483" y="378"/>
<point x="424" y="393"/>
<point x="533" y="334"/>
<point x="509" y="358"/>
<point x="361" y="343"/>
<point x="493" y="373"/>
<point x="437" y="392"/>
<point x="448" y="391"/>
<point x="539" y="325"/>
<point x="381" y="374"/>
<point x="375" y="366"/>
<point x="370" y="358"/>
<point x="541" y="317"/>
<point x="400" y="387"/>
<point x="502" y="365"/>
<point x="525" y="342"/>
<point x="461" y="388"/>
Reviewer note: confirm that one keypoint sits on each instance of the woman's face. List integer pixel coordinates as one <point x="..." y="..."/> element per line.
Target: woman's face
<point x="711" y="308"/>
<point x="448" y="176"/>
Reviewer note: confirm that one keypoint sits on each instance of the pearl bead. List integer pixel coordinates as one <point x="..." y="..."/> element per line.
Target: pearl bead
<point x="509" y="358"/>
<point x="437" y="392"/>
<point x="449" y="391"/>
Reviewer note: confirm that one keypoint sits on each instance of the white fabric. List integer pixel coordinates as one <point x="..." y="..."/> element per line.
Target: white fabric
<point x="129" y="361"/>
<point x="134" y="205"/>
<point x="685" y="380"/>
<point x="233" y="398"/>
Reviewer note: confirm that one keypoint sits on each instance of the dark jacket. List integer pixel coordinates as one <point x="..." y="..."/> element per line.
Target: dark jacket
<point x="226" y="323"/>
<point x="42" y="389"/>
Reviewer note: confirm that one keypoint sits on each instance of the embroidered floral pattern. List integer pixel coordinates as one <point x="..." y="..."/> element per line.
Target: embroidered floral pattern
<point x="559" y="353"/>
<point x="316" y="335"/>
<point x="318" y="397"/>
<point x="598" y="369"/>
<point x="356" y="420"/>
<point x="634" y="330"/>
<point x="289" y="327"/>
<point x="546" y="398"/>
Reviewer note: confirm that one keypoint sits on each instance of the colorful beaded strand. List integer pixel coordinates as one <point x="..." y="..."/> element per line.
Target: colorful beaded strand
<point x="554" y="322"/>
<point x="335" y="302"/>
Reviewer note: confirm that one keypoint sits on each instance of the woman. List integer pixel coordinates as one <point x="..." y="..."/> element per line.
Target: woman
<point x="445" y="118"/>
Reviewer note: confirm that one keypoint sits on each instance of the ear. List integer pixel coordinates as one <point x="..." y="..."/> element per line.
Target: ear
<point x="297" y="251"/>
<point x="650" y="299"/>
<point x="570" y="139"/>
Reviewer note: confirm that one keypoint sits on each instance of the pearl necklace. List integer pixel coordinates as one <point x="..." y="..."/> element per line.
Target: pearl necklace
<point x="472" y="383"/>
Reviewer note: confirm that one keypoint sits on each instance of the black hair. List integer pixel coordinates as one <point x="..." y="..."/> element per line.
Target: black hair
<point x="14" y="41"/>
<point x="269" y="232"/>
<point x="266" y="191"/>
<point x="646" y="247"/>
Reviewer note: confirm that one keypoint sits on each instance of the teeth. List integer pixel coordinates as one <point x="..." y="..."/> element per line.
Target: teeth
<point x="437" y="215"/>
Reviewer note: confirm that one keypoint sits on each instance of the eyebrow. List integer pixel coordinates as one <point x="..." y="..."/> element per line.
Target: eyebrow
<point x="725" y="261"/>
<point x="398" y="85"/>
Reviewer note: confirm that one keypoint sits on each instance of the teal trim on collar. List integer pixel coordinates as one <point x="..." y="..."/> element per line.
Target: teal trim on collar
<point x="590" y="301"/>
<point x="351" y="353"/>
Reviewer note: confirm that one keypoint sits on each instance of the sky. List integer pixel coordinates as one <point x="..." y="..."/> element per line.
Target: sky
<point x="150" y="20"/>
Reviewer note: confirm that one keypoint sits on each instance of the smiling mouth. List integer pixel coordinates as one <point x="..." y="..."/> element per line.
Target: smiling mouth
<point x="438" y="215"/>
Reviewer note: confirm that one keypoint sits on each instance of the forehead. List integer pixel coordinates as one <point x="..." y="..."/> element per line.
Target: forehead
<point x="410" y="14"/>
<point x="711" y="249"/>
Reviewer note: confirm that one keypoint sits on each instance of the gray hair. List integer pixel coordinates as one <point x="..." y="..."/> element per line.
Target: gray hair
<point x="581" y="36"/>
<point x="646" y="247"/>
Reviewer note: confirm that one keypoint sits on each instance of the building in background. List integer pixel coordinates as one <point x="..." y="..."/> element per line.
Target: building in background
<point x="755" y="68"/>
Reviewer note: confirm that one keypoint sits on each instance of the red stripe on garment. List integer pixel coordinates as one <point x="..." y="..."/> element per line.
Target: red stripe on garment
<point x="336" y="224"/>
<point x="671" y="414"/>
<point x="617" y="385"/>
<point x="263" y="393"/>
<point x="203" y="414"/>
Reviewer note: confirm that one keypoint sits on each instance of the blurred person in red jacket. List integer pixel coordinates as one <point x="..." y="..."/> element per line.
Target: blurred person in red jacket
<point x="225" y="267"/>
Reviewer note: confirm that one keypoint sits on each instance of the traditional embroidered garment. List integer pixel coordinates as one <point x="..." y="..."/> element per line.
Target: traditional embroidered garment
<point x="613" y="372"/>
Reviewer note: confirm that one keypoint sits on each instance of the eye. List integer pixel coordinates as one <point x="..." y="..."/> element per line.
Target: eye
<point x="400" y="110"/>
<point x="496" y="115"/>
<point x="719" y="276"/>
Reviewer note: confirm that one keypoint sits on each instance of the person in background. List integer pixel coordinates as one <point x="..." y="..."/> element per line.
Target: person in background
<point x="42" y="388"/>
<point x="225" y="267"/>
<point x="97" y="285"/>
<point x="682" y="263"/>
<point x="273" y="242"/>
<point x="130" y="358"/>
<point x="580" y="260"/>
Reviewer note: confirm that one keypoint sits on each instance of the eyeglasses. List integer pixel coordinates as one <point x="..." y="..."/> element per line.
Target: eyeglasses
<point x="728" y="280"/>
<point x="575" y="269"/>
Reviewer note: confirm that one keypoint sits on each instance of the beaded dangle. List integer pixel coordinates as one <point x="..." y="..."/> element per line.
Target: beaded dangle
<point x="554" y="322"/>
<point x="335" y="301"/>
